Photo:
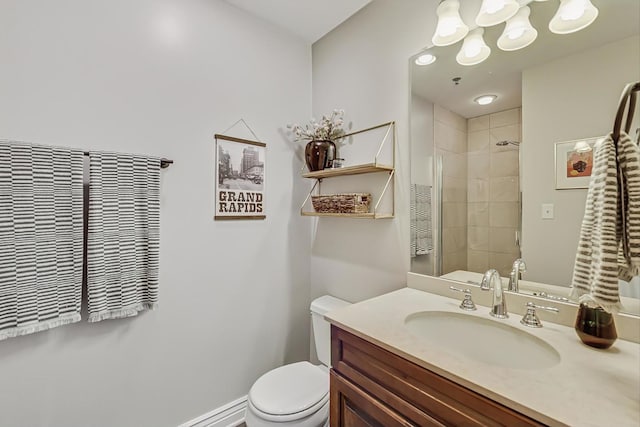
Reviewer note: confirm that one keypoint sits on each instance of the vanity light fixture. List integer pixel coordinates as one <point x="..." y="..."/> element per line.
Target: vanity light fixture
<point x="493" y="12"/>
<point x="451" y="28"/>
<point x="485" y="99"/>
<point x="572" y="16"/>
<point x="425" y="59"/>
<point x="474" y="50"/>
<point x="518" y="33"/>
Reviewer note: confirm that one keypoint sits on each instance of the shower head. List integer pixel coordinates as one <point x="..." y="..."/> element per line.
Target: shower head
<point x="506" y="142"/>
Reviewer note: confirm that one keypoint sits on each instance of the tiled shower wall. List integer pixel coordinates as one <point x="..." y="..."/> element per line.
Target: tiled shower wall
<point x="493" y="214"/>
<point x="450" y="137"/>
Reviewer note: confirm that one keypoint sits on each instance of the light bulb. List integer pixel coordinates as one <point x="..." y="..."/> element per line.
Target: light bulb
<point x="515" y="33"/>
<point x="494" y="6"/>
<point x="572" y="16"/>
<point x="518" y="32"/>
<point x="493" y="12"/>
<point x="474" y="50"/>
<point x="572" y="11"/>
<point x="450" y="28"/>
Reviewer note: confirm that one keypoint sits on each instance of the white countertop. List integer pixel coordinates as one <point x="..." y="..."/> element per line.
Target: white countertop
<point x="588" y="387"/>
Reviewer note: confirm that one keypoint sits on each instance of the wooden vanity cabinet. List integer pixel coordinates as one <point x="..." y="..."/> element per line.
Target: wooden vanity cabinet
<point x="371" y="386"/>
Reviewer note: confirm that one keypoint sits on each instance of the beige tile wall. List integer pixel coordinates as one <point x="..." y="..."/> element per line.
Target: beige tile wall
<point x="450" y="137"/>
<point x="492" y="191"/>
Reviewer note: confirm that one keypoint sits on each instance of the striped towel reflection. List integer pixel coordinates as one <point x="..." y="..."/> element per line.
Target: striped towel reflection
<point x="40" y="237"/>
<point x="601" y="259"/>
<point x="124" y="235"/>
<point x="629" y="160"/>
<point x="420" y="220"/>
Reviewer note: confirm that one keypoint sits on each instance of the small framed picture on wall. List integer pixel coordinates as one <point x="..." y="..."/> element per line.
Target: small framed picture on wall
<point x="574" y="163"/>
<point x="240" y="173"/>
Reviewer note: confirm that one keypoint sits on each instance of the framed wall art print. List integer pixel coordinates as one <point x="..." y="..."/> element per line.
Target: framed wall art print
<point x="239" y="175"/>
<point x="574" y="163"/>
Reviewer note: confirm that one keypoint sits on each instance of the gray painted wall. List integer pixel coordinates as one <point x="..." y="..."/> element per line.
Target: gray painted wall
<point x="363" y="67"/>
<point x="590" y="83"/>
<point x="161" y="77"/>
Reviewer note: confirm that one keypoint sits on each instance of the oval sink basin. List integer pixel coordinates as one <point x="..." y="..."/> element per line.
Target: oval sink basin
<point x="483" y="340"/>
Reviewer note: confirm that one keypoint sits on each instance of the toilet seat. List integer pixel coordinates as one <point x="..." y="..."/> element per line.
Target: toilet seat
<point x="290" y="392"/>
<point x="312" y="417"/>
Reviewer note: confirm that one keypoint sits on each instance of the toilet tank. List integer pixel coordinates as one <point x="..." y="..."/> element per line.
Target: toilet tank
<point x="322" y="328"/>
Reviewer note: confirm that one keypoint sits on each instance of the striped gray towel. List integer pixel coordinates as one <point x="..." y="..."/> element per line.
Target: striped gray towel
<point x="40" y="237"/>
<point x="420" y="220"/>
<point x="600" y="259"/>
<point x="629" y="255"/>
<point x="124" y="235"/>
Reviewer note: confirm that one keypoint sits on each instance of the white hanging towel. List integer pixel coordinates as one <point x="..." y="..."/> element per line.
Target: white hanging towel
<point x="40" y="237"/>
<point x="123" y="243"/>
<point x="600" y="258"/>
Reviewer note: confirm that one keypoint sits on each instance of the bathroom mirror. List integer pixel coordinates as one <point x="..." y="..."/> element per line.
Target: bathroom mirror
<point x="483" y="177"/>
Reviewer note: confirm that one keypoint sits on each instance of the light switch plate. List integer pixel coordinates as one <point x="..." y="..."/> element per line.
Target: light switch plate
<point x="547" y="211"/>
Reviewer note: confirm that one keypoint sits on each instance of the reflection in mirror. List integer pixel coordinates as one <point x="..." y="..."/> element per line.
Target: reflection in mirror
<point x="483" y="177"/>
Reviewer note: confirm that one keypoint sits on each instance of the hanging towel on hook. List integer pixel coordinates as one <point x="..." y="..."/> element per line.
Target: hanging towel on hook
<point x="420" y="220"/>
<point x="123" y="241"/>
<point x="40" y="237"/>
<point x="601" y="258"/>
<point x="629" y="254"/>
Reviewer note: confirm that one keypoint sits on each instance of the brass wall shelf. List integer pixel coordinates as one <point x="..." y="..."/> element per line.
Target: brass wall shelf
<point x="369" y="215"/>
<point x="349" y="170"/>
<point x="365" y="168"/>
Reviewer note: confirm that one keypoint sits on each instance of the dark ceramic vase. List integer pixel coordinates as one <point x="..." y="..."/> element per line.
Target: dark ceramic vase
<point x="319" y="154"/>
<point x="595" y="327"/>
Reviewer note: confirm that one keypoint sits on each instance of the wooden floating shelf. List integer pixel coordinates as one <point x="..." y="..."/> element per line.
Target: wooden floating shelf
<point x="364" y="168"/>
<point x="369" y="215"/>
<point x="349" y="170"/>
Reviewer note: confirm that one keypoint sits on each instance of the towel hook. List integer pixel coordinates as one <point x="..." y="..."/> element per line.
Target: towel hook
<point x="628" y="95"/>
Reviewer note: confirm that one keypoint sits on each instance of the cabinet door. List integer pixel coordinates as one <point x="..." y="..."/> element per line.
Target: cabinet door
<point x="413" y="392"/>
<point x="352" y="407"/>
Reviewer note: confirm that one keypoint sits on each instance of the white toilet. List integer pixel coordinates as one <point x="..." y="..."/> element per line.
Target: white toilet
<point x="297" y="394"/>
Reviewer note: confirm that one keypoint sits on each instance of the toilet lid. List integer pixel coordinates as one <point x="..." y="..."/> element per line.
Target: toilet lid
<point x="290" y="389"/>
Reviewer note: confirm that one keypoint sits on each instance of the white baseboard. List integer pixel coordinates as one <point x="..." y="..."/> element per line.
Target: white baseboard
<point x="229" y="415"/>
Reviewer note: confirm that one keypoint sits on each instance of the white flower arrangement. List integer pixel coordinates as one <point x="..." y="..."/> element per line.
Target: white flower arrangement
<point x="328" y="128"/>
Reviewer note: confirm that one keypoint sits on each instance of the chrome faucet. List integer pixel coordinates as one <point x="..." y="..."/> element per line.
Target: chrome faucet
<point x="492" y="280"/>
<point x="519" y="267"/>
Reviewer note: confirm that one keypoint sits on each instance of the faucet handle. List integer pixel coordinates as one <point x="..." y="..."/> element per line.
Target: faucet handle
<point x="467" y="303"/>
<point x="519" y="265"/>
<point x="531" y="319"/>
